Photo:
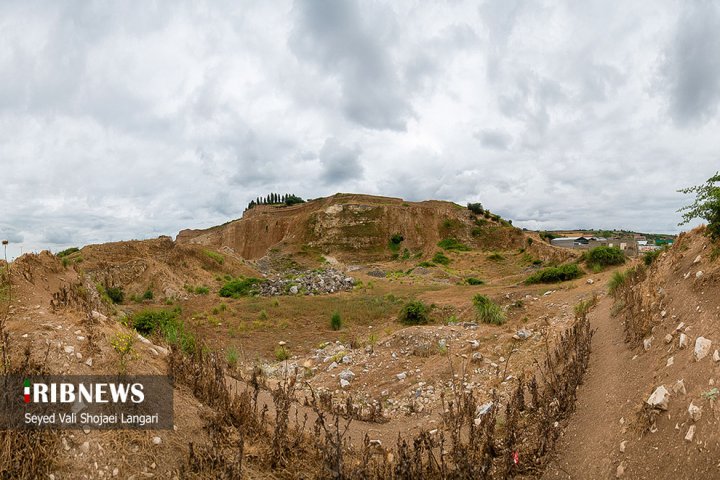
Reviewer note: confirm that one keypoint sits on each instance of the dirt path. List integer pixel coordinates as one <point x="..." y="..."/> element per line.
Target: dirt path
<point x="589" y="447"/>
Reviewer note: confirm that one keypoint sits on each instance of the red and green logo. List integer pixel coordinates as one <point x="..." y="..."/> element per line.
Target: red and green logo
<point x="26" y="392"/>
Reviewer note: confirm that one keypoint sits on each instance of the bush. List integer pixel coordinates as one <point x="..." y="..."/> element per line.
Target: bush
<point x="281" y="353"/>
<point x="441" y="259"/>
<point x="240" y="287"/>
<point x="115" y="294"/>
<point x="67" y="252"/>
<point x="414" y="313"/>
<point x="148" y="295"/>
<point x="605" y="256"/>
<point x="336" y="321"/>
<point x="476" y="208"/>
<point x="495" y="257"/>
<point x="453" y="244"/>
<point x="202" y="290"/>
<point x="397" y="238"/>
<point x="215" y="256"/>
<point x="555" y="274"/>
<point x="232" y="357"/>
<point x="426" y="264"/>
<point x="617" y="280"/>
<point x="474" y="281"/>
<point x="649" y="257"/>
<point x="488" y="311"/>
<point x="705" y="206"/>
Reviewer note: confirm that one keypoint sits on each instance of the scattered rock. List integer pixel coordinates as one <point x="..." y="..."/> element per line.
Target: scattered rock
<point x="679" y="387"/>
<point x="716" y="356"/>
<point x="659" y="398"/>
<point x="477" y="357"/>
<point x="346" y="375"/>
<point x="98" y="316"/>
<point x="695" y="412"/>
<point x="690" y="433"/>
<point x="670" y="362"/>
<point x="668" y="338"/>
<point x="293" y="290"/>
<point x="69" y="349"/>
<point x="697" y="259"/>
<point x="683" y="341"/>
<point x="622" y="446"/>
<point x="85" y="447"/>
<point x="699" y="274"/>
<point x="401" y="376"/>
<point x="620" y="471"/>
<point x="590" y="281"/>
<point x="156" y="440"/>
<point x="344" y="383"/>
<point x="647" y="343"/>
<point x="702" y="348"/>
<point x="522" y="334"/>
<point x="663" y="314"/>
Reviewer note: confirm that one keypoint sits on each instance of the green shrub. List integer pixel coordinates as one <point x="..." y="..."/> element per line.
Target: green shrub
<point x="453" y="244"/>
<point x="397" y="239"/>
<point x="148" y="295"/>
<point x="336" y="321"/>
<point x="405" y="254"/>
<point x="604" y="256"/>
<point x="232" y="357"/>
<point x="488" y="311"/>
<point x="476" y="208"/>
<point x="649" y="257"/>
<point x="281" y="353"/>
<point x="440" y="258"/>
<point x="215" y="256"/>
<point x="202" y="290"/>
<point x="555" y="274"/>
<point x="67" y="252"/>
<point x="474" y="281"/>
<point x="240" y="287"/>
<point x="705" y="206"/>
<point x="263" y="315"/>
<point x="617" y="280"/>
<point x="115" y="294"/>
<point x="414" y="312"/>
<point x="495" y="256"/>
<point x="148" y="321"/>
<point x="426" y="264"/>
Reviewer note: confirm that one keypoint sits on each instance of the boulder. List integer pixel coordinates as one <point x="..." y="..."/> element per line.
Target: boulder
<point x="702" y="348"/>
<point x="659" y="398"/>
<point x="346" y="375"/>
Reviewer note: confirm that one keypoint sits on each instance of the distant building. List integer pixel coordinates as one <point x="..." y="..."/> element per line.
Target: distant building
<point x="578" y="242"/>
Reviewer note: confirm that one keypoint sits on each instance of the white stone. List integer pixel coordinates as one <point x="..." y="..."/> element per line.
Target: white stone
<point x="716" y="356"/>
<point x="663" y="313"/>
<point x="622" y="446"/>
<point x="683" y="341"/>
<point x="679" y="387"/>
<point x="69" y="349"/>
<point x="157" y="440"/>
<point x="668" y="338"/>
<point x="85" y="447"/>
<point x="647" y="343"/>
<point x="89" y="362"/>
<point x="294" y="290"/>
<point x="98" y="316"/>
<point x="401" y="376"/>
<point x="702" y="348"/>
<point x="659" y="398"/>
<point x="346" y="375"/>
<point x="695" y="412"/>
<point x="590" y="281"/>
<point x="115" y="472"/>
<point x="690" y="433"/>
<point x="670" y="362"/>
<point x="697" y="259"/>
<point x="344" y="383"/>
<point x="699" y="274"/>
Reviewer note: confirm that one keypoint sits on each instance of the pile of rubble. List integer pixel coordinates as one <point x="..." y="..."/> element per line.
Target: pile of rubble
<point x="307" y="283"/>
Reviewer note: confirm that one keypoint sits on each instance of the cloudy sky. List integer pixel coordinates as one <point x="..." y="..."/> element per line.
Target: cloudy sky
<point x="123" y="120"/>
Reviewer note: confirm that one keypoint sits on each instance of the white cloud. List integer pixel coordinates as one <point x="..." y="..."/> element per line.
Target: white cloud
<point x="120" y="121"/>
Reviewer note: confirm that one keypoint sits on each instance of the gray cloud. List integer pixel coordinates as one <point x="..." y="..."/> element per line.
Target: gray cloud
<point x="692" y="66"/>
<point x="339" y="163"/>
<point x="122" y="122"/>
<point x="340" y="40"/>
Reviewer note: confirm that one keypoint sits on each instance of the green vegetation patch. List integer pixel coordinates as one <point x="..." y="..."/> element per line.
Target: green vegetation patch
<point x="414" y="312"/>
<point x="240" y="287"/>
<point x="441" y="259"/>
<point x="604" y="256"/>
<point x="215" y="256"/>
<point x="474" y="281"/>
<point x="488" y="311"/>
<point x="453" y="244"/>
<point x="165" y="323"/>
<point x="67" y="252"/>
<point x="562" y="273"/>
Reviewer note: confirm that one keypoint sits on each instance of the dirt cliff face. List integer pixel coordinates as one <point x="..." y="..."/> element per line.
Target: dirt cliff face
<point x="355" y="226"/>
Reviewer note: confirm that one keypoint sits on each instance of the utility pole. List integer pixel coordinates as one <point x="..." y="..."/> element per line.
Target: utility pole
<point x="7" y="269"/>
